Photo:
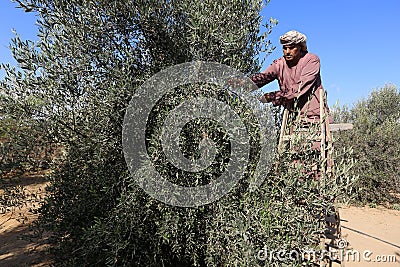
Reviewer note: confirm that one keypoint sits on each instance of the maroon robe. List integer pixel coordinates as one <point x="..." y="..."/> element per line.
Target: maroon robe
<point x="301" y="82"/>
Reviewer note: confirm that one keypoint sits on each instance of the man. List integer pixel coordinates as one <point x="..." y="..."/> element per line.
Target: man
<point x="298" y="75"/>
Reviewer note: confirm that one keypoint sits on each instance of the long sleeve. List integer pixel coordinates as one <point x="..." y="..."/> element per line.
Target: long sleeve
<point x="298" y="82"/>
<point x="267" y="76"/>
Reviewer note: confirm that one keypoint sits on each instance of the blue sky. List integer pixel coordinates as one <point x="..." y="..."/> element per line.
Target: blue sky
<point x="356" y="40"/>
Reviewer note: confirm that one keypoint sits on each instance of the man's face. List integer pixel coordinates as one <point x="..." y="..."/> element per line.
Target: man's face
<point x="292" y="53"/>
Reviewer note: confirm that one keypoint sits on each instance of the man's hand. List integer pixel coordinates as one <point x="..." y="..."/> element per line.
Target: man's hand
<point x="267" y="98"/>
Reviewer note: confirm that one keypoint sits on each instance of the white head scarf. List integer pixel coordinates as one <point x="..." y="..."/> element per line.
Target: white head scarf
<point x="294" y="38"/>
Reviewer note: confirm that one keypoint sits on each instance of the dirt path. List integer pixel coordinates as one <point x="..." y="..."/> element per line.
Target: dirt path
<point x="17" y="246"/>
<point x="373" y="236"/>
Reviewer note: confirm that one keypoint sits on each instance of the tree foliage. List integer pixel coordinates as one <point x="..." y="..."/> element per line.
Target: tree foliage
<point x="90" y="59"/>
<point x="376" y="144"/>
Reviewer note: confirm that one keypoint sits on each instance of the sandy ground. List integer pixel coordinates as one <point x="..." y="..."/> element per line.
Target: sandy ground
<point x="20" y="245"/>
<point x="372" y="235"/>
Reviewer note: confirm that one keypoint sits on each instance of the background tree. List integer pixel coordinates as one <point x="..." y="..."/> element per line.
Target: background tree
<point x="375" y="140"/>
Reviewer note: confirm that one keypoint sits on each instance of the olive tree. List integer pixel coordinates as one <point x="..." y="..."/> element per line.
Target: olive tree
<point x="90" y="60"/>
<point x="375" y="140"/>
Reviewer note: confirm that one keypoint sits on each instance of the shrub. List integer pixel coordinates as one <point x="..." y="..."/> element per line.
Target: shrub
<point x="376" y="144"/>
